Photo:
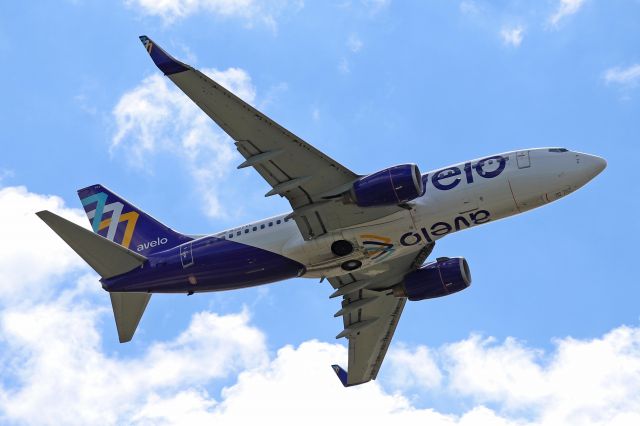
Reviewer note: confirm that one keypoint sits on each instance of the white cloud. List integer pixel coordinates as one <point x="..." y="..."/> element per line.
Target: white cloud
<point x="55" y="370"/>
<point x="354" y="43"/>
<point x="469" y="7"/>
<point x="582" y="382"/>
<point x="32" y="256"/>
<point x="565" y="8"/>
<point x="629" y="76"/>
<point x="62" y="376"/>
<point x="67" y="379"/>
<point x="83" y="103"/>
<point x="315" y="114"/>
<point x="53" y="366"/>
<point x="375" y="6"/>
<point x="424" y="372"/>
<point x="512" y="36"/>
<point x="508" y="372"/>
<point x="155" y="116"/>
<point x="249" y="11"/>
<point x="5" y="174"/>
<point x="343" y="66"/>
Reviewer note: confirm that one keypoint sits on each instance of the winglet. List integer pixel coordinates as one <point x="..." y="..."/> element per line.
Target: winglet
<point x="342" y="375"/>
<point x="167" y="63"/>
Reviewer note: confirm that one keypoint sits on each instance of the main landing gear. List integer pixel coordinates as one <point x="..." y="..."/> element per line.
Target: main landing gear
<point x="343" y="248"/>
<point x="351" y="265"/>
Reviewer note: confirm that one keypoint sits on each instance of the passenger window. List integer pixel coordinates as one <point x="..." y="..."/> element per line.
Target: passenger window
<point x="270" y="223"/>
<point x="230" y="235"/>
<point x="278" y="222"/>
<point x="262" y="226"/>
<point x="239" y="233"/>
<point x="255" y="228"/>
<point x="246" y="231"/>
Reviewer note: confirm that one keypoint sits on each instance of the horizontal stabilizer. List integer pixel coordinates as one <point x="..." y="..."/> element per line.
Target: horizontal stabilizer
<point x="128" y="309"/>
<point x="107" y="258"/>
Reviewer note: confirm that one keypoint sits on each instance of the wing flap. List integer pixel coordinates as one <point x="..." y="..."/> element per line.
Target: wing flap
<point x="368" y="345"/>
<point x="368" y="349"/>
<point x="371" y="315"/>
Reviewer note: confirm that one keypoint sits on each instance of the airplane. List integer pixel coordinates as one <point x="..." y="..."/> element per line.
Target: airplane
<point x="369" y="236"/>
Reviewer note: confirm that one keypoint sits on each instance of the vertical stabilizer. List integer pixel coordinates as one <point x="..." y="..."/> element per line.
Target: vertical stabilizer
<point x="121" y="222"/>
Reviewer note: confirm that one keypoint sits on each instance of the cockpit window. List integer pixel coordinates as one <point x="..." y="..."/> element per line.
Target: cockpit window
<point x="558" y="150"/>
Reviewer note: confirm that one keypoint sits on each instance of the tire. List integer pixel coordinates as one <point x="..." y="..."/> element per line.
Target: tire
<point x="351" y="265"/>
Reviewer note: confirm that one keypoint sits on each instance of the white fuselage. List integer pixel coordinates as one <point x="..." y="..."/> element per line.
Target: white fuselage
<point x="456" y="198"/>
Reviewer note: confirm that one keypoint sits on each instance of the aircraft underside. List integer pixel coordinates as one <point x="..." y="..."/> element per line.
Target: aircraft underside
<point x="369" y="236"/>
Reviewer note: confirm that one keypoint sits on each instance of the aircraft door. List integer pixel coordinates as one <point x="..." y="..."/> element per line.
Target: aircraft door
<point x="523" y="160"/>
<point x="186" y="255"/>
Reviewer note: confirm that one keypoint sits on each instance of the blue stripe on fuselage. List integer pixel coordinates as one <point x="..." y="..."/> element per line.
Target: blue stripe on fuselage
<point x="217" y="264"/>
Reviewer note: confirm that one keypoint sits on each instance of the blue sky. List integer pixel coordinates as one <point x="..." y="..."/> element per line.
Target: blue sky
<point x="372" y="83"/>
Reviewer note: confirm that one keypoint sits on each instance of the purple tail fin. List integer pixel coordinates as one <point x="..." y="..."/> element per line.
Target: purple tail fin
<point x="121" y="222"/>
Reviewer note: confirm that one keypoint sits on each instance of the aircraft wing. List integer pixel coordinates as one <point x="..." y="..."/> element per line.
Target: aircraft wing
<point x="311" y="181"/>
<point x="370" y="314"/>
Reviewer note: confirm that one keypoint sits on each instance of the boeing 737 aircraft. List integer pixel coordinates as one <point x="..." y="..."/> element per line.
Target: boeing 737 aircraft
<point x="367" y="235"/>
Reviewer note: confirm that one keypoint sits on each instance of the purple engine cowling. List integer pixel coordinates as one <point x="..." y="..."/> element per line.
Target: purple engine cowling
<point x="440" y="278"/>
<point x="395" y="185"/>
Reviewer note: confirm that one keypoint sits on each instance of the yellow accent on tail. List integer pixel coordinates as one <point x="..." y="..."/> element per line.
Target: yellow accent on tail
<point x="131" y="218"/>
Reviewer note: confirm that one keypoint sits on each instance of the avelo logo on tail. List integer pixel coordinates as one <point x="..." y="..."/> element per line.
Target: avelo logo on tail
<point x="118" y="220"/>
<point x="99" y="222"/>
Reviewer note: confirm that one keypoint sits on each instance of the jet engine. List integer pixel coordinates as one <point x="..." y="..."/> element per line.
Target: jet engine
<point x="440" y="278"/>
<point x="395" y="185"/>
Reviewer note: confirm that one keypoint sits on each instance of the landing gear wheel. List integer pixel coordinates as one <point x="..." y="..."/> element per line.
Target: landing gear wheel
<point x="351" y="265"/>
<point x="341" y="248"/>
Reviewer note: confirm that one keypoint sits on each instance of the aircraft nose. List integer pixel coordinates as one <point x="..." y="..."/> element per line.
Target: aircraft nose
<point x="592" y="165"/>
<point x="588" y="167"/>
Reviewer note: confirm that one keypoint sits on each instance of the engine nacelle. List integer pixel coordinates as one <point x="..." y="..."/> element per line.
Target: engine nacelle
<point x="440" y="278"/>
<point x="395" y="185"/>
